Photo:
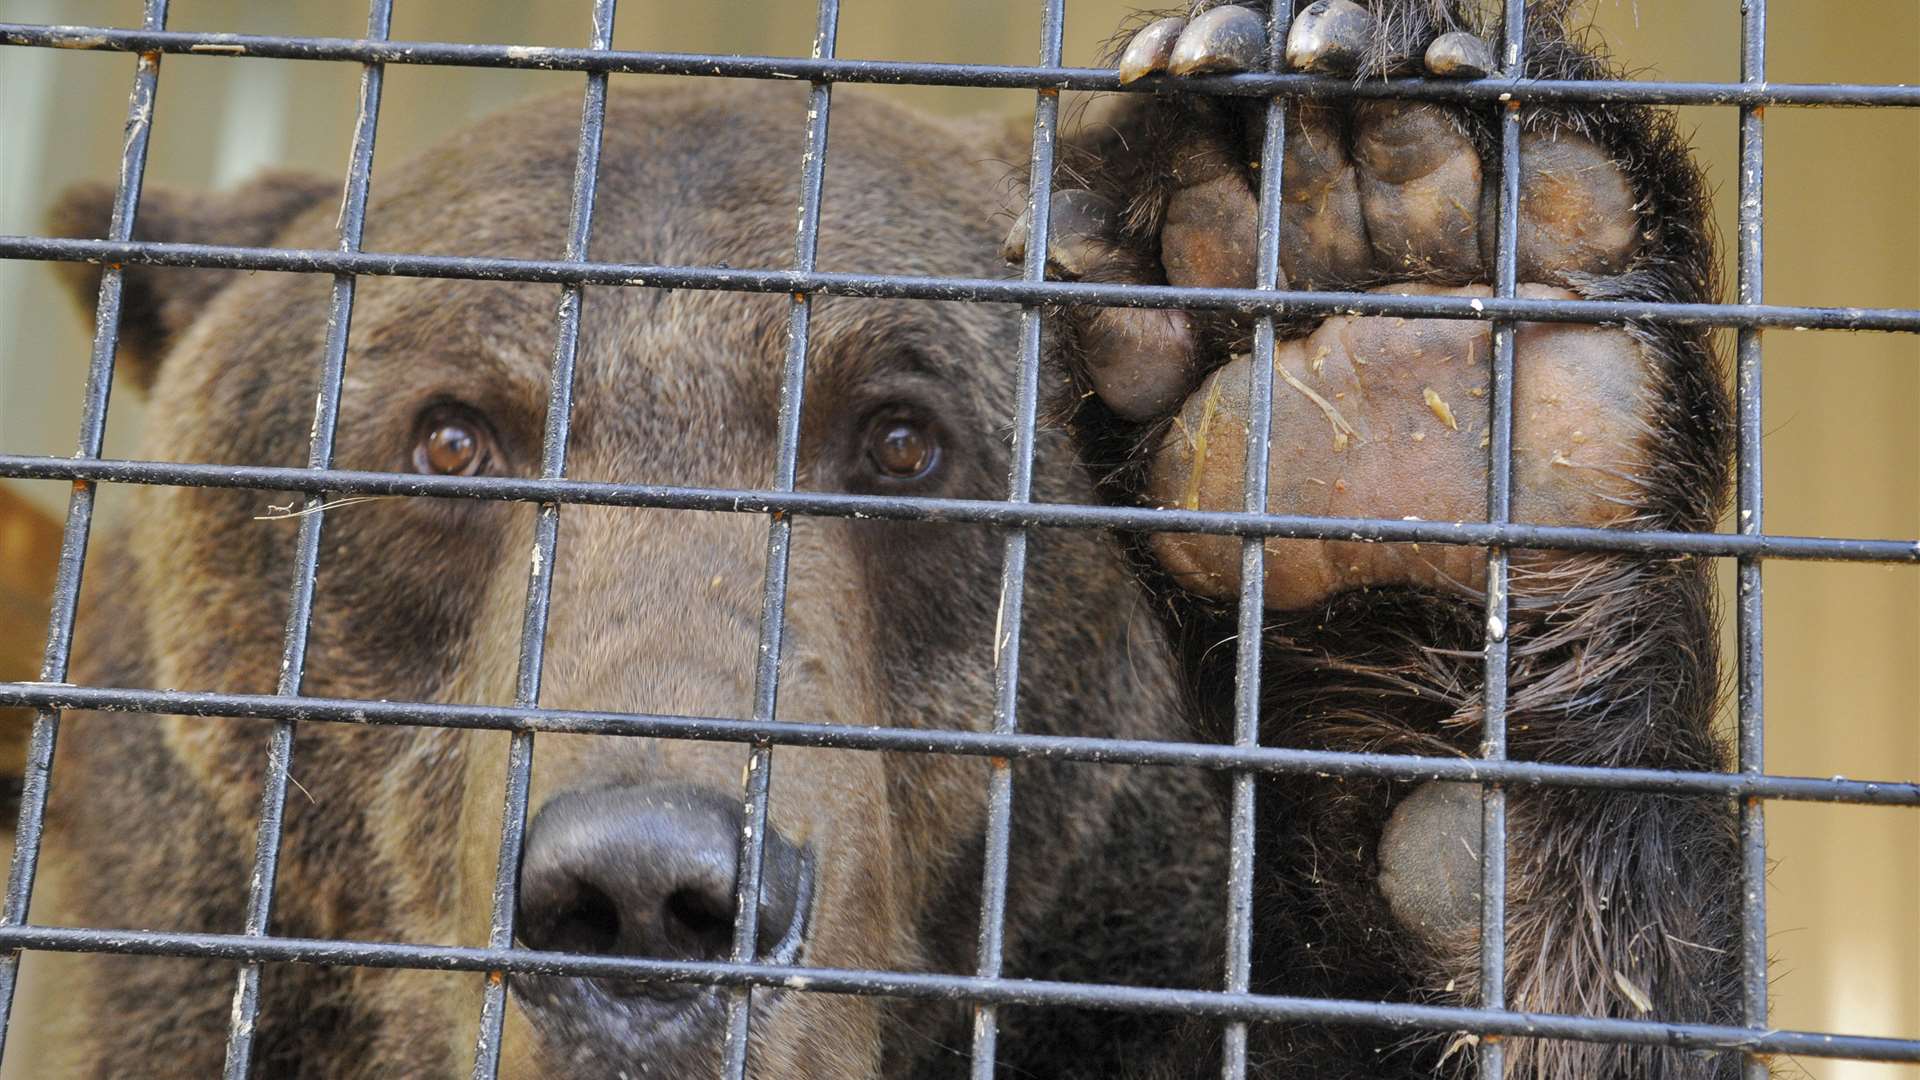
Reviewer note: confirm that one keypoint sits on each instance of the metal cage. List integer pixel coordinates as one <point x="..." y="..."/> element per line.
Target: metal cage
<point x="1232" y="1005"/>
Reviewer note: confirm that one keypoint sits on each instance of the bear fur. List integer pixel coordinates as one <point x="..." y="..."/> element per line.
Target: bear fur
<point x="1118" y="873"/>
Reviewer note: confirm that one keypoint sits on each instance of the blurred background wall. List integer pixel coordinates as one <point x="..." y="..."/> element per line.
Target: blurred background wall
<point x="1842" y="410"/>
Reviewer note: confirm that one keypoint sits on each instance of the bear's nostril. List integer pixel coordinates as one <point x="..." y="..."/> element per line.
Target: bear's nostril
<point x="702" y="923"/>
<point x="590" y="924"/>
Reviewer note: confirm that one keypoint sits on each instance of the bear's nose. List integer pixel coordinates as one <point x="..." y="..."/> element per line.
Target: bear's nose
<point x="651" y="871"/>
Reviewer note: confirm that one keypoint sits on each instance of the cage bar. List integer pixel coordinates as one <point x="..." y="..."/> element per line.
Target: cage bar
<point x="1234" y="1007"/>
<point x="1013" y="564"/>
<point x="37" y="773"/>
<point x="905" y="73"/>
<point x="546" y="538"/>
<point x="975" y="511"/>
<point x="1252" y="608"/>
<point x="773" y="597"/>
<point x="1750" y="262"/>
<point x="1491" y="1060"/>
<point x="271" y="830"/>
<point x="1271" y="760"/>
<point x="1202" y="1004"/>
<point x="1254" y="302"/>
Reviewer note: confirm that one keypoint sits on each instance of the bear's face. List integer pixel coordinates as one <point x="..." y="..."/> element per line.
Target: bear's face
<point x="873" y="861"/>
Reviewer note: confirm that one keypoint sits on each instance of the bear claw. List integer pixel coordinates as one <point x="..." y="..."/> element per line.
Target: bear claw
<point x="1078" y="232"/>
<point x="1225" y="39"/>
<point x="1330" y="37"/>
<point x="1150" y="49"/>
<point x="1460" y="55"/>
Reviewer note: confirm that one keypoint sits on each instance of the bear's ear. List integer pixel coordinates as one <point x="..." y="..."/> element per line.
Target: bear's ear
<point x="158" y="303"/>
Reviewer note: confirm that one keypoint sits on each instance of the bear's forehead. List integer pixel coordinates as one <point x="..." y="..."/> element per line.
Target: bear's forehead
<point x="638" y="346"/>
<point x="701" y="177"/>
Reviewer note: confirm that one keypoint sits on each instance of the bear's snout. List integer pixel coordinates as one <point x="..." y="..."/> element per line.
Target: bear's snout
<point x="650" y="871"/>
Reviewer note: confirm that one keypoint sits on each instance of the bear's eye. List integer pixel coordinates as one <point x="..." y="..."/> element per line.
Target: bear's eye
<point x="452" y="441"/>
<point x="901" y="445"/>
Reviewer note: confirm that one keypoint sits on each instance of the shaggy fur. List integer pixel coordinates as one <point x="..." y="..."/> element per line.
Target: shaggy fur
<point x="1117" y="873"/>
<point x="392" y="833"/>
<point x="1613" y="659"/>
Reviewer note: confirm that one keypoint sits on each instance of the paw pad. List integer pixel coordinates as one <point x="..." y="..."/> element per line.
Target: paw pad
<point x="1373" y="417"/>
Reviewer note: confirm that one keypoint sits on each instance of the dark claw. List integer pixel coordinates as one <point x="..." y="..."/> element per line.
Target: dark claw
<point x="1014" y="248"/>
<point x="1330" y="37"/>
<point x="1079" y="226"/>
<point x="1460" y="55"/>
<point x="1229" y="38"/>
<point x="1150" y="49"/>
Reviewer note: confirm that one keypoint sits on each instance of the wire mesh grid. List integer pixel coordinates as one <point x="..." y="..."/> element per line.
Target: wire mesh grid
<point x="1234" y="1006"/>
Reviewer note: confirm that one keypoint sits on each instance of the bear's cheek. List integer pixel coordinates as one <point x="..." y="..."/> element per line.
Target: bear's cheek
<point x="421" y="598"/>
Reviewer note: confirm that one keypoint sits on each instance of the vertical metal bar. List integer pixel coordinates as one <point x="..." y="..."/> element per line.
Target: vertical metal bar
<point x="1253" y="575"/>
<point x="273" y="795"/>
<point x="1493" y="729"/>
<point x="546" y="537"/>
<point x="773" y="595"/>
<point x="1752" y="703"/>
<point x="36" y="773"/>
<point x="991" y="941"/>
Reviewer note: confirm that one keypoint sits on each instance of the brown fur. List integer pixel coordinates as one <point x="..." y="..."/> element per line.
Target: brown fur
<point x="1613" y="659"/>
<point x="392" y="833"/>
<point x="1117" y="874"/>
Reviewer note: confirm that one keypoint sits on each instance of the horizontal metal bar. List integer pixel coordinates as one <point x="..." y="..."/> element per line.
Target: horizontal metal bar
<point x="990" y="76"/>
<point x="1278" y="302"/>
<point x="925" y="985"/>
<point x="338" y="482"/>
<point x="786" y="732"/>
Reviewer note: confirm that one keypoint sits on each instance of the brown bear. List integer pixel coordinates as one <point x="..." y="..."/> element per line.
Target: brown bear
<point x="1366" y="888"/>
